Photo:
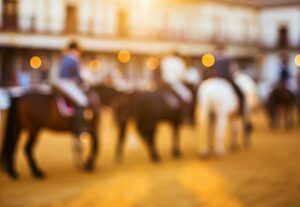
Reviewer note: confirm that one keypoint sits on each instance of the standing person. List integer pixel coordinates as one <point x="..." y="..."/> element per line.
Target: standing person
<point x="223" y="69"/>
<point x="69" y="81"/>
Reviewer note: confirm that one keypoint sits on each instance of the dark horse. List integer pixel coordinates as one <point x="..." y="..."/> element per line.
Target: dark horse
<point x="148" y="109"/>
<point x="281" y="100"/>
<point x="34" y="111"/>
<point x="298" y="105"/>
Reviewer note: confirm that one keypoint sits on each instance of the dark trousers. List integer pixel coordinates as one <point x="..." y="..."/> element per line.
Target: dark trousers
<point x="78" y="120"/>
<point x="240" y="95"/>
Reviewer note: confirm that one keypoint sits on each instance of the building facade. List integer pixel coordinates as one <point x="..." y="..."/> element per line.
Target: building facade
<point x="255" y="33"/>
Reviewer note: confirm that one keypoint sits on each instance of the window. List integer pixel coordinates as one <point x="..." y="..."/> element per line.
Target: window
<point x="122" y="23"/>
<point x="282" y="37"/>
<point x="217" y="30"/>
<point x="10" y="15"/>
<point x="71" y="19"/>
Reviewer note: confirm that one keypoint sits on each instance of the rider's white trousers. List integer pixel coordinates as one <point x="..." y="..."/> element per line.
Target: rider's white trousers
<point x="72" y="90"/>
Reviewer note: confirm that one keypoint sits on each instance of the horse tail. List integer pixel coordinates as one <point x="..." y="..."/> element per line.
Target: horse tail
<point x="11" y="133"/>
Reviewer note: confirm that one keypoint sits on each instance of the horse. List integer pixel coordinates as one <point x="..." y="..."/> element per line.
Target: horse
<point x="148" y="108"/>
<point x="34" y="111"/>
<point x="108" y="95"/>
<point x="281" y="99"/>
<point x="218" y="103"/>
<point x="298" y="106"/>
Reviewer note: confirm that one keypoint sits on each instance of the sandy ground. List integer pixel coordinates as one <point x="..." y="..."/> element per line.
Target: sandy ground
<point x="268" y="174"/>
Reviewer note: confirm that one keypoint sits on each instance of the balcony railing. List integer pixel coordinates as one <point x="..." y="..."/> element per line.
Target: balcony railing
<point x="156" y="34"/>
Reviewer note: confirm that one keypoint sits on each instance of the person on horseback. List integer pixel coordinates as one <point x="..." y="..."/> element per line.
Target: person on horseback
<point x="284" y="72"/>
<point x="177" y="94"/>
<point x="285" y="78"/>
<point x="223" y="69"/>
<point x="173" y="69"/>
<point x="69" y="84"/>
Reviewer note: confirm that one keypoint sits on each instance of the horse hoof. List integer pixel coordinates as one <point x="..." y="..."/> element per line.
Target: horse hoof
<point x="219" y="156"/>
<point x="118" y="159"/>
<point x="176" y="154"/>
<point x="205" y="155"/>
<point x="89" y="167"/>
<point x="13" y="175"/>
<point x="39" y="175"/>
<point x="234" y="148"/>
<point x="155" y="159"/>
<point x="247" y="144"/>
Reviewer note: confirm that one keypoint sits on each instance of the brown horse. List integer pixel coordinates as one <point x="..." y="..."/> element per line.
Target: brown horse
<point x="281" y="101"/>
<point x="148" y="109"/>
<point x="34" y="111"/>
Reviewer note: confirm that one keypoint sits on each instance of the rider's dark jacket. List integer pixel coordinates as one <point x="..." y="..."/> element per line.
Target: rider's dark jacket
<point x="69" y="68"/>
<point x="284" y="73"/>
<point x="222" y="68"/>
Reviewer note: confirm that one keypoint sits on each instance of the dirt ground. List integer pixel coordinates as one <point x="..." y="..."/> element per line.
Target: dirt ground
<point x="267" y="174"/>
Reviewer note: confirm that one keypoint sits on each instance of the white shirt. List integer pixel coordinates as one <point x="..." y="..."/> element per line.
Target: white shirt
<point x="173" y="69"/>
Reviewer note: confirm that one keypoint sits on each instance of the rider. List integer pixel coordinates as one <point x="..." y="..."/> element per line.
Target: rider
<point x="285" y="78"/>
<point x="284" y="73"/>
<point x="173" y="70"/>
<point x="223" y="69"/>
<point x="69" y="81"/>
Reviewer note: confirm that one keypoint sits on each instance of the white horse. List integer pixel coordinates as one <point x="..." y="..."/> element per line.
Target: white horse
<point x="218" y="99"/>
<point x="4" y="105"/>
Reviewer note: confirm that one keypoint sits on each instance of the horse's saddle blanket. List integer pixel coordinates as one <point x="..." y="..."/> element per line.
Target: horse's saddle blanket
<point x="64" y="108"/>
<point x="182" y="91"/>
<point x="171" y="100"/>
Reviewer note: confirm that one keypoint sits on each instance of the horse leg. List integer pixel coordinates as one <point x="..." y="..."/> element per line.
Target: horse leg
<point x="29" y="154"/>
<point x="10" y="151"/>
<point x="148" y="132"/>
<point x="206" y="132"/>
<point x="175" y="149"/>
<point x="151" y="146"/>
<point x="219" y="134"/>
<point x="247" y="130"/>
<point x="298" y="113"/>
<point x="94" y="151"/>
<point x="121" y="141"/>
<point x="234" y="135"/>
<point x="288" y="117"/>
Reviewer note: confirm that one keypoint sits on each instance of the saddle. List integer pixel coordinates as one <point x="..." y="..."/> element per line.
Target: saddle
<point x="171" y="100"/>
<point x="175" y="95"/>
<point x="64" y="106"/>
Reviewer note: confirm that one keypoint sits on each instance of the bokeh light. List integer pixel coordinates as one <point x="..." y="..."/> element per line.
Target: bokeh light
<point x="35" y="62"/>
<point x="297" y="60"/>
<point x="152" y="63"/>
<point x="95" y="65"/>
<point x="124" y="56"/>
<point x="208" y="60"/>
